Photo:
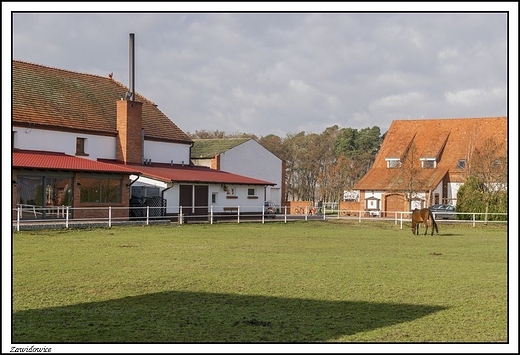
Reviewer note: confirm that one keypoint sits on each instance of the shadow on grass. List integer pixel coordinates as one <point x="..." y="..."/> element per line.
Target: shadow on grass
<point x="190" y="317"/>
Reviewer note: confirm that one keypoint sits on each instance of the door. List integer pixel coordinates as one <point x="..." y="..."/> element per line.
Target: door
<point x="186" y="199"/>
<point x="201" y="200"/>
<point x="394" y="203"/>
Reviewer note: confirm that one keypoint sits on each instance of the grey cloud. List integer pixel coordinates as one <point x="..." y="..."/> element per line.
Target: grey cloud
<point x="283" y="73"/>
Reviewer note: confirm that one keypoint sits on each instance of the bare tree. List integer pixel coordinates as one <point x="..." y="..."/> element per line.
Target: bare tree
<point x="489" y="164"/>
<point x="408" y="180"/>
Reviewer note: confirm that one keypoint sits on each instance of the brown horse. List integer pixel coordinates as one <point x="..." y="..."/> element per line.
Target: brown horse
<point x="423" y="216"/>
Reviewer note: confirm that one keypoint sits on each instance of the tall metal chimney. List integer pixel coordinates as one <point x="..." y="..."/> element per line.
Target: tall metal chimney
<point x="132" y="67"/>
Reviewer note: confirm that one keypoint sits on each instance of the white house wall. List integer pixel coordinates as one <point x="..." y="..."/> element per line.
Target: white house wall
<point x="202" y="162"/>
<point x="452" y="190"/>
<point x="244" y="160"/>
<point x="96" y="146"/>
<point x="161" y="152"/>
<point x="246" y="204"/>
<point x="65" y="142"/>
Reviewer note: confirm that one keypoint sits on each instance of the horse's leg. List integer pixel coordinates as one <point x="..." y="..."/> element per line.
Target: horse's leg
<point x="425" y="227"/>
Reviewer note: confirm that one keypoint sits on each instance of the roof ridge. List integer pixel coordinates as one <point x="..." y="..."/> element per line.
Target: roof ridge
<point x="450" y="118"/>
<point x="66" y="70"/>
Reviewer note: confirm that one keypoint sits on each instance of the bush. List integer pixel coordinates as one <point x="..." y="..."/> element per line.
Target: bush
<point x="472" y="197"/>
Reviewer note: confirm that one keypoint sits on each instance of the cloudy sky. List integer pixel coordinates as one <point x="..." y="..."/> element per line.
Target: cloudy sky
<point x="283" y="73"/>
<point x="280" y="72"/>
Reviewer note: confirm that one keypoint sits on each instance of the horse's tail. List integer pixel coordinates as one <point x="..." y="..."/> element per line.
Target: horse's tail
<point x="434" y="224"/>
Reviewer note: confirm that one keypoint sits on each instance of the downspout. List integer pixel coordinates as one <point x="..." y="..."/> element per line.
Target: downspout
<point x="138" y="176"/>
<point x="142" y="146"/>
<point x="162" y="195"/>
<point x="166" y="189"/>
<point x="191" y="146"/>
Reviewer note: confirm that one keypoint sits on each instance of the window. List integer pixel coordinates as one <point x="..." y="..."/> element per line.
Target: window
<point x="461" y="164"/>
<point x="214" y="197"/>
<point x="351" y="195"/>
<point x="392" y="163"/>
<point x="428" y="163"/>
<point x="251" y="193"/>
<point x="80" y="146"/>
<point x="45" y="190"/>
<point x="100" y="190"/>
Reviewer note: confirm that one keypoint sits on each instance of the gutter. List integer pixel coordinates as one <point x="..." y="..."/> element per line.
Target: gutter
<point x="138" y="176"/>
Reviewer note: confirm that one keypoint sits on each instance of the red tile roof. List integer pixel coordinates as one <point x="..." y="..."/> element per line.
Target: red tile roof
<point x="448" y="140"/>
<point x="26" y="159"/>
<point x="193" y="174"/>
<point x="23" y="159"/>
<point x="57" y="99"/>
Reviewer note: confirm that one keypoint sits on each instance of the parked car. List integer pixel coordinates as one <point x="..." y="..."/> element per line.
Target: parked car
<point x="269" y="209"/>
<point x="443" y="211"/>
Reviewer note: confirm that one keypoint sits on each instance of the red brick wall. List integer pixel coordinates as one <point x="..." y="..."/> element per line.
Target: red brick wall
<point x="129" y="127"/>
<point x="352" y="207"/>
<point x="96" y="210"/>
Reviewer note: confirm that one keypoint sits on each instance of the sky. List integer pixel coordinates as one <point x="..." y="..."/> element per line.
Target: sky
<point x="283" y="72"/>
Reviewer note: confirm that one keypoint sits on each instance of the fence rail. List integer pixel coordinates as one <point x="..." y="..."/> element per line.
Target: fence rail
<point x="34" y="217"/>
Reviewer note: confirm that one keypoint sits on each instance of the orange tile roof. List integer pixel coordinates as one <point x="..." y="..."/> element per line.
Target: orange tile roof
<point x="448" y="140"/>
<point x="58" y="99"/>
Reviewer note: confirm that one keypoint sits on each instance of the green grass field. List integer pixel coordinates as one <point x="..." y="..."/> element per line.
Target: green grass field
<point x="335" y="281"/>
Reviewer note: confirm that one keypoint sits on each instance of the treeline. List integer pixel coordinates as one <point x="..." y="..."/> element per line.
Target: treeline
<point x="318" y="166"/>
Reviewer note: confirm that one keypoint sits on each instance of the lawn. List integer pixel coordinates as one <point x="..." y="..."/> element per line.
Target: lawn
<point x="334" y="281"/>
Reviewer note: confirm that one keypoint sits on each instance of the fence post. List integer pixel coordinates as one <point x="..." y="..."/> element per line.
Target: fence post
<point x="211" y="214"/>
<point x="67" y="219"/>
<point x="180" y="215"/>
<point x="18" y="213"/>
<point x="109" y="216"/>
<point x="238" y="214"/>
<point x="285" y="214"/>
<point x="147" y="214"/>
<point x="263" y="220"/>
<point x="474" y="219"/>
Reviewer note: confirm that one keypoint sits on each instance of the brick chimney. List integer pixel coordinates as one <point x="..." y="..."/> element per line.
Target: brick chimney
<point x="129" y="147"/>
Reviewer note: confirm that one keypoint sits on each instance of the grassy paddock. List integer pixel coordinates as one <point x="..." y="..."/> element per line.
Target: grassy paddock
<point x="335" y="281"/>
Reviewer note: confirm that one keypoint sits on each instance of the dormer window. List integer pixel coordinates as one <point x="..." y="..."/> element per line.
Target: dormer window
<point x="461" y="164"/>
<point x="393" y="163"/>
<point x="428" y="163"/>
